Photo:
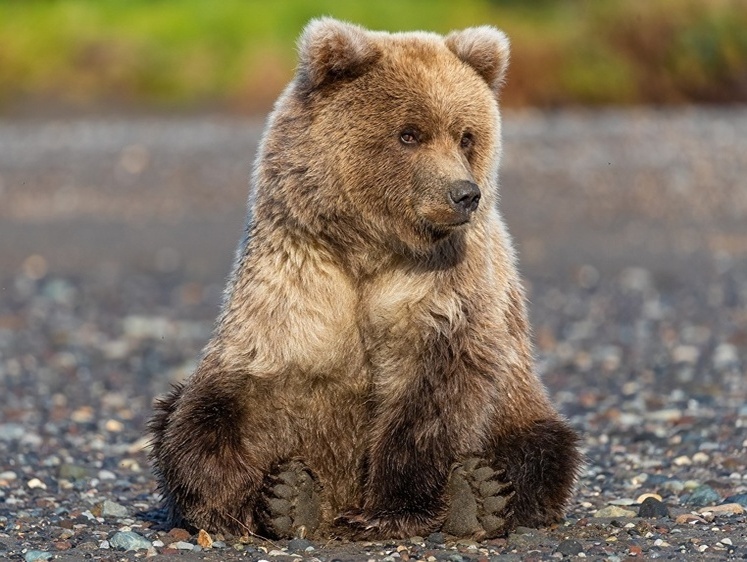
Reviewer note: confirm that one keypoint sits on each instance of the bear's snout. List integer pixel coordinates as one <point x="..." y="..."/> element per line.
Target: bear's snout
<point x="464" y="196"/>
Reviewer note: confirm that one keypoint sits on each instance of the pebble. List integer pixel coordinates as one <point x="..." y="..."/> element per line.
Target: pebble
<point x="653" y="507"/>
<point x="724" y="509"/>
<point x="182" y="545"/>
<point x="702" y="496"/>
<point x="204" y="539"/>
<point x="624" y="502"/>
<point x="36" y="483"/>
<point x="72" y="472"/>
<point x="688" y="519"/>
<point x="614" y="511"/>
<point x="128" y="540"/>
<point x="643" y="497"/>
<point x="299" y="545"/>
<point x="570" y="547"/>
<point x="436" y="539"/>
<point x="683" y="460"/>
<point x="741" y="499"/>
<point x="11" y="431"/>
<point x="700" y="457"/>
<point x="8" y="475"/>
<point x="108" y="508"/>
<point x="35" y="555"/>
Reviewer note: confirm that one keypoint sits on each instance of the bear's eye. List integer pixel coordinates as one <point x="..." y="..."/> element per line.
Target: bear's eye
<point x="408" y="136"/>
<point x="467" y="141"/>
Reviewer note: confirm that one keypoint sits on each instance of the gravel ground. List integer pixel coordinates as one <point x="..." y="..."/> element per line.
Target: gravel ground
<point x="115" y="237"/>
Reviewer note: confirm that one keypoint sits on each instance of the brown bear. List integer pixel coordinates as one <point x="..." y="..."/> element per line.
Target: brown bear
<point x="370" y="374"/>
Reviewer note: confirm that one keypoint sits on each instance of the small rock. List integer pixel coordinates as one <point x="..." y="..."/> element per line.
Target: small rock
<point x="115" y="426"/>
<point x="741" y="499"/>
<point x="675" y="486"/>
<point x="219" y="544"/>
<point x="614" y="511"/>
<point x="688" y="519"/>
<point x="436" y="539"/>
<point x="35" y="555"/>
<point x="683" y="460"/>
<point x="127" y="540"/>
<point x="702" y="496"/>
<point x="72" y="472"/>
<point x="570" y="547"/>
<point x="653" y="507"/>
<point x="8" y="475"/>
<point x="725" y="356"/>
<point x="108" y="508"/>
<point x="178" y="534"/>
<point x="106" y="475"/>
<point x="204" y="539"/>
<point x="700" y="457"/>
<point x="182" y="545"/>
<point x="299" y="545"/>
<point x="36" y="483"/>
<point x="624" y="502"/>
<point x="10" y="432"/>
<point x="642" y="497"/>
<point x="723" y="509"/>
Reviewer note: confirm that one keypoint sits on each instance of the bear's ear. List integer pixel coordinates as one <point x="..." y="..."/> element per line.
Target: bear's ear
<point x="484" y="48"/>
<point x="330" y="49"/>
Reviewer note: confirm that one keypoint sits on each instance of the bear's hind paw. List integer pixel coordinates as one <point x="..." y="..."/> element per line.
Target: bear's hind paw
<point x="480" y="501"/>
<point x="290" y="502"/>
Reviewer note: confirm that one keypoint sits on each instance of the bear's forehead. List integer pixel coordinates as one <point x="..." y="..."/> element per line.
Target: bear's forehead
<point x="421" y="74"/>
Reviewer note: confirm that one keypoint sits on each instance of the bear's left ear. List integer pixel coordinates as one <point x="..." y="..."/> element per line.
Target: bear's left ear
<point x="330" y="50"/>
<point x="484" y="48"/>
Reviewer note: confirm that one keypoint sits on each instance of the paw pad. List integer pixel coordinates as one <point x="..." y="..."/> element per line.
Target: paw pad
<point x="291" y="501"/>
<point x="480" y="500"/>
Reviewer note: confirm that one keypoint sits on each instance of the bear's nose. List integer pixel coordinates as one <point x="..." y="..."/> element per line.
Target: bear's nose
<point x="464" y="195"/>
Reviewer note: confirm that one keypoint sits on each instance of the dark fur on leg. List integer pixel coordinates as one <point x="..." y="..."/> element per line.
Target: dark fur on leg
<point x="200" y="461"/>
<point x="543" y="463"/>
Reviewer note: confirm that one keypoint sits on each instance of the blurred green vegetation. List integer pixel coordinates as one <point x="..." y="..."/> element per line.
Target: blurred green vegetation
<point x="238" y="54"/>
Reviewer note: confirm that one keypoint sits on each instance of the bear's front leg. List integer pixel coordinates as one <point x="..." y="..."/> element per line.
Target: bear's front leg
<point x="543" y="461"/>
<point x="209" y="469"/>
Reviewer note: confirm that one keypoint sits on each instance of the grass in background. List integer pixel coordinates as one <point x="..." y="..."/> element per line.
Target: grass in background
<point x="239" y="53"/>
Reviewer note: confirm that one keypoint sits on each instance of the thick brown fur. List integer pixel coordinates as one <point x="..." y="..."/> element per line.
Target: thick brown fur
<point x="374" y="330"/>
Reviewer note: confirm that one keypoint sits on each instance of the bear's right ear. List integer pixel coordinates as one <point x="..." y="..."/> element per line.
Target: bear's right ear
<point x="486" y="49"/>
<point x="330" y="49"/>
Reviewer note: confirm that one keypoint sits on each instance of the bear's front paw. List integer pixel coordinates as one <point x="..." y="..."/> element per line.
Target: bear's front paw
<point x="290" y="502"/>
<point x="480" y="501"/>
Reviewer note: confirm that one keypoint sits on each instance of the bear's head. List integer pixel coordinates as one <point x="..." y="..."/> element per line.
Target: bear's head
<point x="393" y="138"/>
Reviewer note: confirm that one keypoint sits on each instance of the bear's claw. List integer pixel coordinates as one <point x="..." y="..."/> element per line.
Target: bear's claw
<point x="480" y="501"/>
<point x="290" y="501"/>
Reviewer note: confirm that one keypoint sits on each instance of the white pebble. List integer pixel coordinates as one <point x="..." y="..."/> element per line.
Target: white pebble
<point x="683" y="460"/>
<point x="182" y="545"/>
<point x="36" y="483"/>
<point x="8" y="475"/>
<point x="106" y="475"/>
<point x="701" y="457"/>
<point x="726" y="541"/>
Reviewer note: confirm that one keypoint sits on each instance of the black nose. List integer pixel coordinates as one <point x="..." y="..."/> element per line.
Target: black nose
<point x="464" y="195"/>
